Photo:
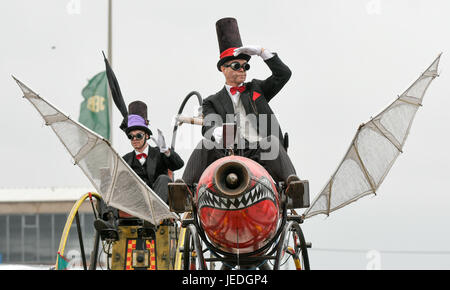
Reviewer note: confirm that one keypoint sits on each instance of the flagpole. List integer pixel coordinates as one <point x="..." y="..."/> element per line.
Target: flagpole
<point x="110" y="102"/>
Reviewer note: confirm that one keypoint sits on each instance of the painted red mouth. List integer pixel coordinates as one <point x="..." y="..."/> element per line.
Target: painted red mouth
<point x="241" y="224"/>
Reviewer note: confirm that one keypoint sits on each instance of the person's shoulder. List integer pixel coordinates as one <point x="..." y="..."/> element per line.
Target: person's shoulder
<point x="214" y="96"/>
<point x="253" y="84"/>
<point x="153" y="150"/>
<point x="128" y="155"/>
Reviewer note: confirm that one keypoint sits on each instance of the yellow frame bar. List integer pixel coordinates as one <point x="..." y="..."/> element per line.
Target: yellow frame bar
<point x="69" y="221"/>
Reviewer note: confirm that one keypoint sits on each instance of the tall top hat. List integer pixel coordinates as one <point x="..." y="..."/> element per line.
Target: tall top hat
<point x="229" y="39"/>
<point x="137" y="117"/>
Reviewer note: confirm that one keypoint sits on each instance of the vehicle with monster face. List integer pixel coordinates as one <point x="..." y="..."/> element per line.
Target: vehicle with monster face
<point x="238" y="205"/>
<point x="241" y="218"/>
<point x="236" y="215"/>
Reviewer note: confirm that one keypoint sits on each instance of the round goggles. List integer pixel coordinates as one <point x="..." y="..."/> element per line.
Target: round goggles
<point x="237" y="66"/>
<point x="138" y="136"/>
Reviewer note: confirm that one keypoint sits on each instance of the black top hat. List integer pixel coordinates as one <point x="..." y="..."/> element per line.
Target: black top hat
<point x="229" y="39"/>
<point x="137" y="117"/>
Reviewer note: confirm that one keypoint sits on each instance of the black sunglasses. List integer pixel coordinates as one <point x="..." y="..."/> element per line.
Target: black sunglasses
<point x="237" y="66"/>
<point x="138" y="136"/>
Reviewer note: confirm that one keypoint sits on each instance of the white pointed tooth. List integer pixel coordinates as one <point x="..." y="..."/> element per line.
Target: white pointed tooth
<point x="225" y="204"/>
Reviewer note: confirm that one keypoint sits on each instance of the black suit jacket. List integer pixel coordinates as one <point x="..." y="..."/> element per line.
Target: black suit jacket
<point x="157" y="163"/>
<point x="255" y="100"/>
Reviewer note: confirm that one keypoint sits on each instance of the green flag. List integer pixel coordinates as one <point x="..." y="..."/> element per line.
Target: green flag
<point x="94" y="112"/>
<point x="62" y="262"/>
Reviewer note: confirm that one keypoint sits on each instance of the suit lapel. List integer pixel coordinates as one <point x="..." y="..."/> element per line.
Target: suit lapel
<point x="151" y="162"/>
<point x="247" y="102"/>
<point x="225" y="100"/>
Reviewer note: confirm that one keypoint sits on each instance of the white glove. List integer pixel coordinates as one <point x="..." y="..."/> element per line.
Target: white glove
<point x="217" y="133"/>
<point x="253" y="50"/>
<point x="161" y="142"/>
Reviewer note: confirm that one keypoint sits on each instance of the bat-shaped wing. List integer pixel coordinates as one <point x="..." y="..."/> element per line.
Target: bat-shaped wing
<point x="111" y="176"/>
<point x="373" y="150"/>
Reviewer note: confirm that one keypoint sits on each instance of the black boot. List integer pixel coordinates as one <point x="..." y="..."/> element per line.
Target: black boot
<point x="107" y="230"/>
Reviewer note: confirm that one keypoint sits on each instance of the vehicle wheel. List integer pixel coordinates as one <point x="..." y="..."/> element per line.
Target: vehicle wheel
<point x="292" y="242"/>
<point x="192" y="251"/>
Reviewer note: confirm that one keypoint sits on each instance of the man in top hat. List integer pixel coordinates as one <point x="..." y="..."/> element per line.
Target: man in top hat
<point x="247" y="105"/>
<point x="151" y="164"/>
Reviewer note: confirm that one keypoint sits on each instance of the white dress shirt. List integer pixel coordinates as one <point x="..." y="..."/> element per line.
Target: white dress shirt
<point x="235" y="97"/>
<point x="142" y="160"/>
<point x="246" y="129"/>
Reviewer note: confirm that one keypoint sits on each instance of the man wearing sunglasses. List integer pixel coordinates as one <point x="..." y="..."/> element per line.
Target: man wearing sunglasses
<point x="243" y="103"/>
<point x="150" y="163"/>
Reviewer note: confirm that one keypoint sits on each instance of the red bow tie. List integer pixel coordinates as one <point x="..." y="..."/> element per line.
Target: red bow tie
<point x="139" y="156"/>
<point x="234" y="89"/>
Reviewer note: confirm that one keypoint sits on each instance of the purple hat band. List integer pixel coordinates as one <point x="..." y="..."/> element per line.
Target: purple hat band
<point x="136" y="120"/>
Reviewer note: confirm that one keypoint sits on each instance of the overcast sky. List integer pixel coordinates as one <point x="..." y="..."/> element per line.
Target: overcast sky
<point x="350" y="59"/>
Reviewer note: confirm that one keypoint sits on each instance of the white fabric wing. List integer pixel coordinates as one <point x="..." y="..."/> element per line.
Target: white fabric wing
<point x="373" y="150"/>
<point x="111" y="176"/>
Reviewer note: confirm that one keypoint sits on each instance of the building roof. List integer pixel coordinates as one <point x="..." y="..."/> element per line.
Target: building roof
<point x="43" y="194"/>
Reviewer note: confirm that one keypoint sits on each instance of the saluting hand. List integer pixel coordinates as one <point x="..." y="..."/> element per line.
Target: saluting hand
<point x="253" y="50"/>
